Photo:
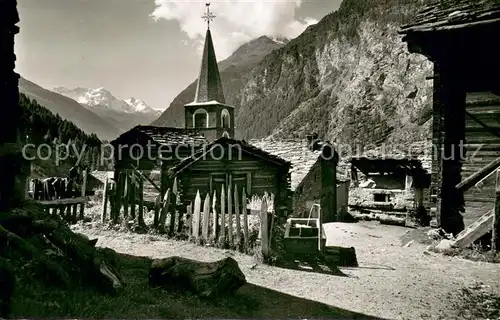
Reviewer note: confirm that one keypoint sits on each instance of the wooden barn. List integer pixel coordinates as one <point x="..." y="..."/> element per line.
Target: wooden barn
<point x="462" y="39"/>
<point x="235" y="163"/>
<point x="145" y="148"/>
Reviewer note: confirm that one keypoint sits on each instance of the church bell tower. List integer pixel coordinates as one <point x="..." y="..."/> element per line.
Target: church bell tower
<point x="209" y="112"/>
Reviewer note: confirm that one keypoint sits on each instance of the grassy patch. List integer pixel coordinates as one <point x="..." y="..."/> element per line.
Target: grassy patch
<point x="139" y="300"/>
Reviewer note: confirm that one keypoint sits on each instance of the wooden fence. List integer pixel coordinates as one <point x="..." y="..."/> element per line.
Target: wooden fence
<point x="220" y="219"/>
<point x="68" y="208"/>
<point x="223" y="220"/>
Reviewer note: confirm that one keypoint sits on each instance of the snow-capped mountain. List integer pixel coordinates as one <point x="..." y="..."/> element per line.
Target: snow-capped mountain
<point x="124" y="114"/>
<point x="101" y="97"/>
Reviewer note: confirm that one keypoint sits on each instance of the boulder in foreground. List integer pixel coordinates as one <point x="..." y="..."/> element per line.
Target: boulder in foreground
<point x="207" y="279"/>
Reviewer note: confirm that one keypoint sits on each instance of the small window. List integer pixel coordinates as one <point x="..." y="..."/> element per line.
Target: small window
<point x="381" y="197"/>
<point x="225" y="121"/>
<point x="200" y="119"/>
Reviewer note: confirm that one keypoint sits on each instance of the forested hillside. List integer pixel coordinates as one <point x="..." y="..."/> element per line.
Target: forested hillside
<point x="46" y="134"/>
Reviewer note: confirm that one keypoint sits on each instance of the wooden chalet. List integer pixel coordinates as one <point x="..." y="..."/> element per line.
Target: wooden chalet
<point x="235" y="163"/>
<point x="461" y="38"/>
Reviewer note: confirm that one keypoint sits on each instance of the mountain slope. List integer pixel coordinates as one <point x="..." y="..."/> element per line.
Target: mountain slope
<point x="124" y="114"/>
<point x="233" y="70"/>
<point x="350" y="78"/>
<point x="40" y="126"/>
<point x="69" y="109"/>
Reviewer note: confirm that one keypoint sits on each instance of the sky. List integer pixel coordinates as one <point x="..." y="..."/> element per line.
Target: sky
<point x="147" y="49"/>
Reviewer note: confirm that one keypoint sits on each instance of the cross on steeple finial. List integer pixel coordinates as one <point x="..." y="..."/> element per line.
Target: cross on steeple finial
<point x="208" y="16"/>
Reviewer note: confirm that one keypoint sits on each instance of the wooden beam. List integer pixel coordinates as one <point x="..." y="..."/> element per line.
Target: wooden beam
<point x="495" y="239"/>
<point x="466" y="184"/>
<point x="142" y="175"/>
<point x="49" y="203"/>
<point x="452" y="94"/>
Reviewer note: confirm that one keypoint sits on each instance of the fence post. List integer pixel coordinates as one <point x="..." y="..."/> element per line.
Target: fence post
<point x="216" y="216"/>
<point x="84" y="192"/>
<point x="245" y="218"/>
<point x="196" y="215"/>
<point x="133" y="189"/>
<point x="164" y="210"/>
<point x="320" y="229"/>
<point x="104" y="200"/>
<point x="140" y="218"/>
<point x="237" y="216"/>
<point x="206" y="217"/>
<point x="173" y="208"/>
<point x="264" y="230"/>
<point x="189" y="219"/>
<point x="230" y="215"/>
<point x="495" y="234"/>
<point x="223" y="215"/>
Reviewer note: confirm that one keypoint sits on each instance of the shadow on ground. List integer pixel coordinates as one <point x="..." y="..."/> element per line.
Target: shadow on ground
<point x="139" y="300"/>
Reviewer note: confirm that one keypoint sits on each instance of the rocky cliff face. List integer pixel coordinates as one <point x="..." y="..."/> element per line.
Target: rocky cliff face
<point x="350" y="78"/>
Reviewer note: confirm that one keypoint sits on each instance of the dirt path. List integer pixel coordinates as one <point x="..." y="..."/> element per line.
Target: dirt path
<point x="393" y="281"/>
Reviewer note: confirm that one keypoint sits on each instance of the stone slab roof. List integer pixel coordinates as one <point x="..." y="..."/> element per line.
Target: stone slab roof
<point x="166" y="136"/>
<point x="453" y="14"/>
<point x="298" y="154"/>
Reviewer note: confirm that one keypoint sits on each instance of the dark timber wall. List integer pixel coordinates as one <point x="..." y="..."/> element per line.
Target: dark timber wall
<point x="483" y="146"/>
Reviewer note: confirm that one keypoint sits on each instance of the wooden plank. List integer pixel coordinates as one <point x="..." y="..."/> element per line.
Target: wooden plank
<point x="223" y="215"/>
<point x="230" y="215"/>
<point x="104" y="200"/>
<point x="264" y="230"/>
<point x="245" y="218"/>
<point x="206" y="217"/>
<point x="50" y="203"/>
<point x="173" y="207"/>
<point x="475" y="231"/>
<point x="495" y="239"/>
<point x="215" y="223"/>
<point x="189" y="220"/>
<point x="142" y="175"/>
<point x="125" y="196"/>
<point x="84" y="192"/>
<point x="237" y="215"/>
<point x="478" y="176"/>
<point x="320" y="230"/>
<point x="140" y="217"/>
<point x="164" y="210"/>
<point x="196" y="216"/>
<point x="133" y="190"/>
<point x="156" y="217"/>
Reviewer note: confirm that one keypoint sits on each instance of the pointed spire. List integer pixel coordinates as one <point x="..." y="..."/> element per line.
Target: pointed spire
<point x="209" y="82"/>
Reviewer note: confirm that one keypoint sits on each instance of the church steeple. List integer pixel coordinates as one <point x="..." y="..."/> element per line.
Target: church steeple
<point x="209" y="112"/>
<point x="209" y="86"/>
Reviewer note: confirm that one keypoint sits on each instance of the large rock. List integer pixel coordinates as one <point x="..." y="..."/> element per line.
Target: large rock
<point x="207" y="279"/>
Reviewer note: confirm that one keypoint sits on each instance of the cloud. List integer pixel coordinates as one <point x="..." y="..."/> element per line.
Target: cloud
<point x="236" y="22"/>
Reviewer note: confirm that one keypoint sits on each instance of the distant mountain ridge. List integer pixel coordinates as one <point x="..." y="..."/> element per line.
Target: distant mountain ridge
<point x="69" y="109"/>
<point x="104" y="98"/>
<point x="124" y="114"/>
<point x="234" y="72"/>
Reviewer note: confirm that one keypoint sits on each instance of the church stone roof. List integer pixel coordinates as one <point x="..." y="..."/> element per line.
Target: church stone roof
<point x="454" y="14"/>
<point x="209" y="86"/>
<point x="164" y="136"/>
